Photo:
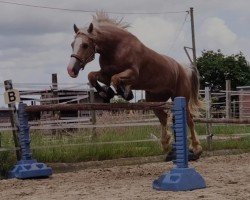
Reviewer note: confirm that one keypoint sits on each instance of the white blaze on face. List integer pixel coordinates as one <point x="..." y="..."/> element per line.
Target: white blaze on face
<point x="77" y="45"/>
<point x="72" y="62"/>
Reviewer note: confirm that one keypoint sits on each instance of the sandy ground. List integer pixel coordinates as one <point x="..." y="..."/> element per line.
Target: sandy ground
<point x="227" y="177"/>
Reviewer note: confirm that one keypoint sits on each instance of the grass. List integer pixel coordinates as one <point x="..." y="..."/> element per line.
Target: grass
<point x="223" y="129"/>
<point x="7" y="160"/>
<point x="241" y="143"/>
<point x="86" y="146"/>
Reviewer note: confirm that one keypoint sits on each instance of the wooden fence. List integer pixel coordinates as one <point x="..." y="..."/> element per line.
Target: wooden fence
<point x="102" y="106"/>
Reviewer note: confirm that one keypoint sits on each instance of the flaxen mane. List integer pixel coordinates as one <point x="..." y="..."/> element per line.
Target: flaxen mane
<point x="102" y="18"/>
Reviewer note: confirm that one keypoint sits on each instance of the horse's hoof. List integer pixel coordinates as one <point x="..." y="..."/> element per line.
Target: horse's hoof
<point x="171" y="156"/>
<point x="106" y="100"/>
<point x="110" y="92"/>
<point x="107" y="93"/>
<point x="104" y="97"/>
<point x="120" y="90"/>
<point x="128" y="95"/>
<point x="192" y="156"/>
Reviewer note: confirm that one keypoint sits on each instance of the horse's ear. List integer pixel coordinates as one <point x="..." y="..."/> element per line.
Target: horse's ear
<point x="91" y="27"/>
<point x="76" y="29"/>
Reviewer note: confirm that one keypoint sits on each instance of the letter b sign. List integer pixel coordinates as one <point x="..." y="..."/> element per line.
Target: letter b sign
<point x="11" y="96"/>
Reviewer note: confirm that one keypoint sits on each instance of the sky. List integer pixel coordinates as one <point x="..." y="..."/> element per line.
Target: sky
<point x="35" y="42"/>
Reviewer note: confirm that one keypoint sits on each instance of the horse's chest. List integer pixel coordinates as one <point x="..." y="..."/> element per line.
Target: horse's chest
<point x="109" y="69"/>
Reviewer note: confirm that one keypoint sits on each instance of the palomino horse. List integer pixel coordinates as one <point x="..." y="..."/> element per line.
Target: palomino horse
<point x="127" y="64"/>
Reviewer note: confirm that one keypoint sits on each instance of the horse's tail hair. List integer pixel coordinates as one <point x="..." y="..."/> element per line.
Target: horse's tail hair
<point x="195" y="102"/>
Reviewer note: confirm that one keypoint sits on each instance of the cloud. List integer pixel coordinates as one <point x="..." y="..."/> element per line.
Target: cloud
<point x="36" y="42"/>
<point x="215" y="34"/>
<point x="155" y="32"/>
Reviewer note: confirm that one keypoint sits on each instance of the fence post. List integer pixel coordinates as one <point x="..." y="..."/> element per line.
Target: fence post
<point x="234" y="109"/>
<point x="54" y="88"/>
<point x="181" y="177"/>
<point x="228" y="99"/>
<point x="208" y="116"/>
<point x="27" y="167"/>
<point x="92" y="100"/>
<point x="0" y="139"/>
<point x="13" y="120"/>
<point x="93" y="112"/>
<point x="241" y="104"/>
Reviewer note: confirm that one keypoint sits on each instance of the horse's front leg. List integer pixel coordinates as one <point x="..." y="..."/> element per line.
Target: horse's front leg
<point x="123" y="81"/>
<point x="104" y="91"/>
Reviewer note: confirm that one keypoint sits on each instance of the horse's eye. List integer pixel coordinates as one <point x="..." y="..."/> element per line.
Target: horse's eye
<point x="85" y="46"/>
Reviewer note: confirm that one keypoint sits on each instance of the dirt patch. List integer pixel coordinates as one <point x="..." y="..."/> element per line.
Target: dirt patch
<point x="227" y="177"/>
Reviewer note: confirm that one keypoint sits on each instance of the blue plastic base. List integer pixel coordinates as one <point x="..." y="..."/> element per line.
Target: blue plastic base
<point x="30" y="169"/>
<point x="180" y="179"/>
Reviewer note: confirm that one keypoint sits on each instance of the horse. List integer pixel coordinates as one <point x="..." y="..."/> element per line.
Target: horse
<point x="126" y="64"/>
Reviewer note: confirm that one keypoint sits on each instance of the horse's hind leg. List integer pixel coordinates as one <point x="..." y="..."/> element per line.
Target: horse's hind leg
<point x="165" y="133"/>
<point x="163" y="118"/>
<point x="194" y="140"/>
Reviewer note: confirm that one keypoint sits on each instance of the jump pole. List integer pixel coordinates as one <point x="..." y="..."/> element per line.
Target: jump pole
<point x="27" y="167"/>
<point x="181" y="177"/>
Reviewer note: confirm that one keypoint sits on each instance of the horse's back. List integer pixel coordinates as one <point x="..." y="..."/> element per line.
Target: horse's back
<point x="162" y="73"/>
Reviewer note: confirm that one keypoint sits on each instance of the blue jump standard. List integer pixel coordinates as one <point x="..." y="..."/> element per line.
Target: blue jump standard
<point x="27" y="167"/>
<point x="181" y="177"/>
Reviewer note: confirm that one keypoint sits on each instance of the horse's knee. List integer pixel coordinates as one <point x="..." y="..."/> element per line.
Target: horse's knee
<point x="92" y="77"/>
<point x="115" y="80"/>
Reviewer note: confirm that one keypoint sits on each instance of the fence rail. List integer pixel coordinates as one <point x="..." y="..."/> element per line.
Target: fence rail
<point x="222" y="120"/>
<point x="101" y="106"/>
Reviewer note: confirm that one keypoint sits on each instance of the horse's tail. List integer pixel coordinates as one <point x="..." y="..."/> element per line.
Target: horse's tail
<point x="195" y="102"/>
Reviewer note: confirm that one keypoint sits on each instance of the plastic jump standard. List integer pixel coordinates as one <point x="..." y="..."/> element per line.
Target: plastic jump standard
<point x="27" y="167"/>
<point x="181" y="177"/>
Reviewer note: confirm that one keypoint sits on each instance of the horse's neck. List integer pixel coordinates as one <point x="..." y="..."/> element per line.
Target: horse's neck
<point x="109" y="39"/>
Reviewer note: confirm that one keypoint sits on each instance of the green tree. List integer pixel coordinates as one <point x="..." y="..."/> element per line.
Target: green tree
<point x="215" y="68"/>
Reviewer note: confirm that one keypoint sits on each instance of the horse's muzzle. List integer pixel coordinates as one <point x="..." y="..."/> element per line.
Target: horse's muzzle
<point x="72" y="73"/>
<point x="74" y="67"/>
